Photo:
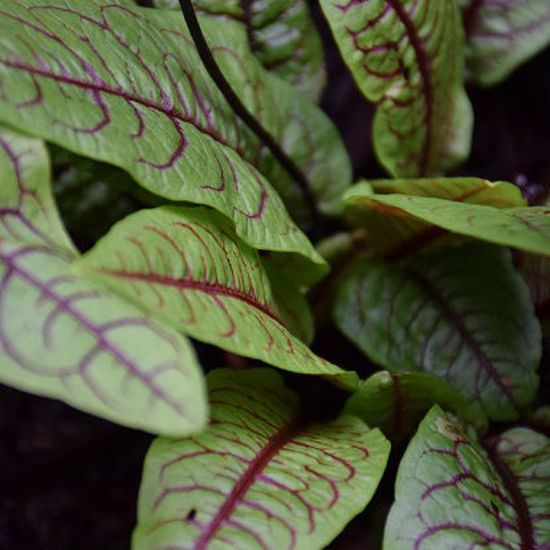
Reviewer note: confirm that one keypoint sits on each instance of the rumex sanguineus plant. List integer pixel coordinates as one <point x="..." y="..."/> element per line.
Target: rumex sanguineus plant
<point x="166" y="175"/>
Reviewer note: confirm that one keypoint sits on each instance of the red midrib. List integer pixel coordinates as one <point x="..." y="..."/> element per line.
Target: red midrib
<point x="206" y="287"/>
<point x="273" y="446"/>
<point x="425" y="73"/>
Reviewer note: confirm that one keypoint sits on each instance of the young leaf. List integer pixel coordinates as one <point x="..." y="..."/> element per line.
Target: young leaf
<point x="396" y="403"/>
<point x="500" y="36"/>
<point x="187" y="266"/>
<point x="451" y="493"/>
<point x="125" y="85"/>
<point x="27" y="208"/>
<point x="463" y="314"/>
<point x="63" y="337"/>
<point x="281" y="34"/>
<point x="259" y="476"/>
<point x="526" y="228"/>
<point x="406" y="56"/>
<point x="394" y="234"/>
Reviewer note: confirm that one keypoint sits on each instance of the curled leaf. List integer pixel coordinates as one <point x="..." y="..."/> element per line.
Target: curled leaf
<point x="187" y="266"/>
<point x="523" y="227"/>
<point x="406" y="56"/>
<point x="453" y="493"/>
<point x="258" y="476"/>
<point x="394" y="234"/>
<point x="462" y="314"/>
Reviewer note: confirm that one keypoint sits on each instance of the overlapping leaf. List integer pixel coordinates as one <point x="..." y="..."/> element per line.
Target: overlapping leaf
<point x="526" y="228"/>
<point x="396" y="403"/>
<point x="393" y="234"/>
<point x="64" y="337"/>
<point x="281" y="34"/>
<point x="406" y="56"/>
<point x="258" y="477"/>
<point x="125" y="85"/>
<point x="451" y="493"/>
<point x="502" y="35"/>
<point x="188" y="266"/>
<point x="463" y="314"/>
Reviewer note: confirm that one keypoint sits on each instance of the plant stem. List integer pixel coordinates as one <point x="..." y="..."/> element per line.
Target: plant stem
<point x="242" y="112"/>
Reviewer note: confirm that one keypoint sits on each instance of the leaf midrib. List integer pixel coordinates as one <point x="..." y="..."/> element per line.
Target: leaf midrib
<point x="482" y="360"/>
<point x="525" y="526"/>
<point x="425" y="73"/>
<point x="190" y="284"/>
<point x="261" y="460"/>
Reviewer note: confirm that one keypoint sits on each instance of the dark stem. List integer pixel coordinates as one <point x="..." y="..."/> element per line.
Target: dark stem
<point x="242" y="112"/>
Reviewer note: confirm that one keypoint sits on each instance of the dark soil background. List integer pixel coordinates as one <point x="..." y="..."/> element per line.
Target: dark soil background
<point x="70" y="481"/>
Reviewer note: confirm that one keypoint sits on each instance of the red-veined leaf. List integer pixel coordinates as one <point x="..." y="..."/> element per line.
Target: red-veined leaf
<point x="259" y="476"/>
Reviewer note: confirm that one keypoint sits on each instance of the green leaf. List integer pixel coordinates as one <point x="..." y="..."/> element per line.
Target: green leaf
<point x="500" y="36"/>
<point x="463" y="314"/>
<point x="526" y="228"/>
<point x="125" y="85"/>
<point x="281" y="34"/>
<point x="258" y="477"/>
<point x="452" y="493"/>
<point x="27" y="207"/>
<point x="187" y="266"/>
<point x="406" y="57"/>
<point x="396" y="403"/>
<point x="393" y="234"/>
<point x="64" y="337"/>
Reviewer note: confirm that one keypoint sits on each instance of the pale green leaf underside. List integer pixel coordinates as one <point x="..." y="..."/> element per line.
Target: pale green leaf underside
<point x="282" y="35"/>
<point x="64" y="337"/>
<point x="500" y="36"/>
<point x="451" y="493"/>
<point x="187" y="266"/>
<point x="27" y="208"/>
<point x="406" y="56"/>
<point x="396" y="403"/>
<point x="526" y="228"/>
<point x="125" y="85"/>
<point x="392" y="234"/>
<point x="257" y="477"/>
<point x="463" y="314"/>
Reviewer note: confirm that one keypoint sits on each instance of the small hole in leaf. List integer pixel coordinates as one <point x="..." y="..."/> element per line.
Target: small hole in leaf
<point x="191" y="515"/>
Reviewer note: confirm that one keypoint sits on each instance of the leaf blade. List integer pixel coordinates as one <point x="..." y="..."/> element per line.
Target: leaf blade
<point x="167" y="125"/>
<point x="150" y="381"/>
<point x="526" y="228"/>
<point x="463" y="314"/>
<point x="214" y="288"/>
<point x="451" y="494"/>
<point x="407" y="58"/>
<point x="256" y="435"/>
<point x="395" y="403"/>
